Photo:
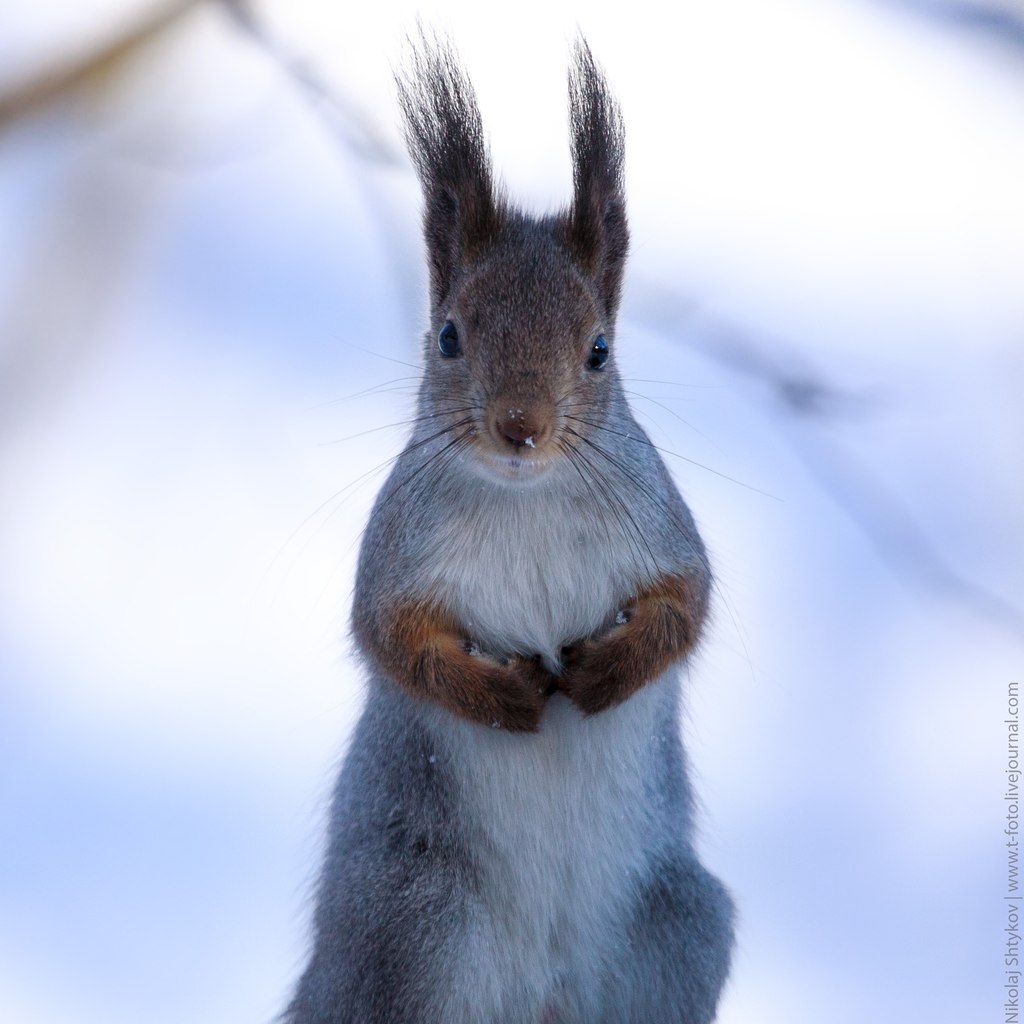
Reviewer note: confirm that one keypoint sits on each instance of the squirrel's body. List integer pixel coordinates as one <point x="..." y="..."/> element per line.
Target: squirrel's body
<point x="511" y="838"/>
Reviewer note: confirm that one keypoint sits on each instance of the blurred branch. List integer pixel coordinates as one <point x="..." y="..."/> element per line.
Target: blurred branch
<point x="71" y="279"/>
<point x="356" y="133"/>
<point x="892" y="531"/>
<point x="88" y="241"/>
<point x="92" y="68"/>
<point x="798" y="388"/>
<point x="348" y="122"/>
<point x="997" y="22"/>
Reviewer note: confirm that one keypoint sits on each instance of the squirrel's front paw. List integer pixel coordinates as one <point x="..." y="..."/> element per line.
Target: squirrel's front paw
<point x="655" y="629"/>
<point x="509" y="694"/>
<point x="595" y="677"/>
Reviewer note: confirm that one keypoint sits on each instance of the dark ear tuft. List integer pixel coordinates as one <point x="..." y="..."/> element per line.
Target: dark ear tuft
<point x="445" y="137"/>
<point x="595" y="227"/>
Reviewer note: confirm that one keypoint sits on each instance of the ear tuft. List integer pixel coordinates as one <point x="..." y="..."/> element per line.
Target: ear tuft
<point x="445" y="138"/>
<point x="595" y="229"/>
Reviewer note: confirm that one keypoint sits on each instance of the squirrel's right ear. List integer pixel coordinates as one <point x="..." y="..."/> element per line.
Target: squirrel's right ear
<point x="444" y="133"/>
<point x="595" y="229"/>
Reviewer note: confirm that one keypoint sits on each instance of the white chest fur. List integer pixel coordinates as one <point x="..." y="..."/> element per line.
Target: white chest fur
<point x="529" y="570"/>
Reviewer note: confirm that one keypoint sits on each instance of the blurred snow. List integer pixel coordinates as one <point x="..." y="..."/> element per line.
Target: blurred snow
<point x="207" y="312"/>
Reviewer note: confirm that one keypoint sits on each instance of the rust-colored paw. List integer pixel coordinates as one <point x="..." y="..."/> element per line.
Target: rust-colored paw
<point x="508" y="695"/>
<point x="595" y="676"/>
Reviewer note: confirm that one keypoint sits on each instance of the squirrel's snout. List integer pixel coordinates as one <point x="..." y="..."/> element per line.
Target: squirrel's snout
<point x="519" y="426"/>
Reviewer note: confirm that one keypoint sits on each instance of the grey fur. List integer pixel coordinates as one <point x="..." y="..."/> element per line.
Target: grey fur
<point x="474" y="875"/>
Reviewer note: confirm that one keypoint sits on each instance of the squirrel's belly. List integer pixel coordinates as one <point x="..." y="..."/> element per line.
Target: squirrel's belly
<point x="569" y="829"/>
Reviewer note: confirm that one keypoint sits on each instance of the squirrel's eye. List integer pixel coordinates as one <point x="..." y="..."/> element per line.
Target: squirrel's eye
<point x="598" y="354"/>
<point x="448" y="341"/>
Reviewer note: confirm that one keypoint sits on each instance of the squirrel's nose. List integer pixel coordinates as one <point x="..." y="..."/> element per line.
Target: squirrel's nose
<point x="519" y="426"/>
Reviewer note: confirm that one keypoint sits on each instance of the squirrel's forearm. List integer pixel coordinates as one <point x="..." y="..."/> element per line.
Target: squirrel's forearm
<point x="661" y="626"/>
<point x="420" y="647"/>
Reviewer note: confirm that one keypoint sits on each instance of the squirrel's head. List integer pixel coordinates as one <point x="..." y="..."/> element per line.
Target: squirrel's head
<point x="521" y="344"/>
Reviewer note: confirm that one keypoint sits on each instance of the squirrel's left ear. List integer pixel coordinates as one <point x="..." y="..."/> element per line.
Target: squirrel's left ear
<point x="595" y="230"/>
<point x="463" y="212"/>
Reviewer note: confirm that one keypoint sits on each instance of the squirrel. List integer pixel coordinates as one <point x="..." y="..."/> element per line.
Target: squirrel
<point x="511" y="835"/>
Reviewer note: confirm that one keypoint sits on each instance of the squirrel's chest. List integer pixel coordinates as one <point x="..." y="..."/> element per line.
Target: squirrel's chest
<point x="528" y="575"/>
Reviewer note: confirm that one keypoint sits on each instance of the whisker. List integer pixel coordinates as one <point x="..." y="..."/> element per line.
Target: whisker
<point x="667" y="451"/>
<point x="439" y="460"/>
<point x="390" y="359"/>
<point x="452" y="448"/>
<point x="376" y="389"/>
<point x="672" y="412"/>
<point x="574" y="456"/>
<point x="674" y="383"/>
<point x="344" y="493"/>
<point x="398" y="423"/>
<point x="617" y="506"/>
<point x="633" y="478"/>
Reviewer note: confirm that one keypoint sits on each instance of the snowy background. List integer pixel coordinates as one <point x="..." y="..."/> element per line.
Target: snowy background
<point x="210" y="295"/>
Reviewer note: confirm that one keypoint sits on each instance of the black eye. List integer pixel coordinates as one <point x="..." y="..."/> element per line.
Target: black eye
<point x="598" y="354"/>
<point x="448" y="341"/>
